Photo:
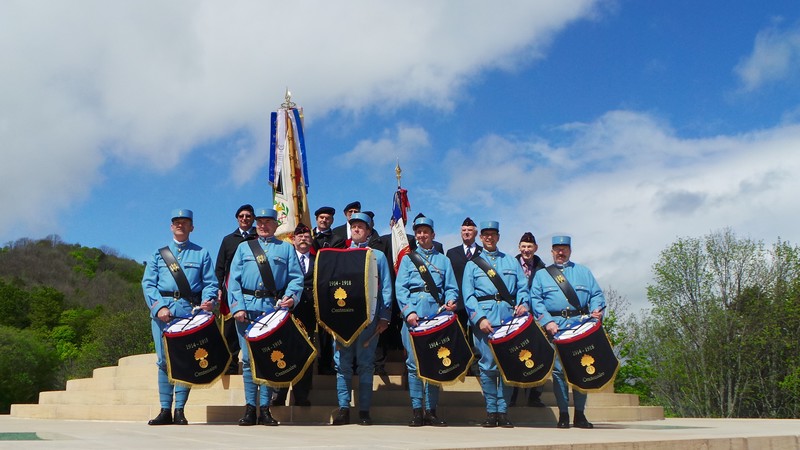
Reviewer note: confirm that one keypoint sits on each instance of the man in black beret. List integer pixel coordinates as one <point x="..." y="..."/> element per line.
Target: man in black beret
<point x="343" y="231"/>
<point x="458" y="256"/>
<point x="245" y="231"/>
<point x="323" y="234"/>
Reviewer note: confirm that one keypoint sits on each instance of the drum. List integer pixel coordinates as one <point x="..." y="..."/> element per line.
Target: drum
<point x="522" y="352"/>
<point x="586" y="354"/>
<point x="280" y="350"/>
<point x="195" y="349"/>
<point x="345" y="291"/>
<point x="441" y="349"/>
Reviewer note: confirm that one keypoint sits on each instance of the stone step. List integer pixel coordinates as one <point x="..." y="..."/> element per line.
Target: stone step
<point x="396" y="415"/>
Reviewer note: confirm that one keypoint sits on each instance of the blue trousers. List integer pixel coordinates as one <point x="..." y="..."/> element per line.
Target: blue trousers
<point x="166" y="390"/>
<point x="423" y="394"/>
<point x="365" y="358"/>
<point x="495" y="392"/>
<point x="252" y="391"/>
<point x="561" y="390"/>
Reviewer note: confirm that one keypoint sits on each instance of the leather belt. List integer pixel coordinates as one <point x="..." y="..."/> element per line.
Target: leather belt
<point x="194" y="300"/>
<point x="260" y="293"/>
<point x="566" y="313"/>
<point x="419" y="289"/>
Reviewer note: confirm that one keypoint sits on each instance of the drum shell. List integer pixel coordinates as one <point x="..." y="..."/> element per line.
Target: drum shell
<point x="442" y="353"/>
<point x="281" y="356"/>
<point x="524" y="357"/>
<point x="197" y="356"/>
<point x="588" y="359"/>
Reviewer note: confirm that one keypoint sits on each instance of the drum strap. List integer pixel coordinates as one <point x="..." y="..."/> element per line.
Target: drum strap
<point x="263" y="265"/>
<point x="180" y="277"/>
<point x="566" y="288"/>
<point x="419" y="263"/>
<point x="498" y="283"/>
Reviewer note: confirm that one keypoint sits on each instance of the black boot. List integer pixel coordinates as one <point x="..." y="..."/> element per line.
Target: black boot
<point x="178" y="418"/>
<point x="249" y="417"/>
<point x="502" y="420"/>
<point x="491" y="421"/>
<point x="163" y="418"/>
<point x="266" y="417"/>
<point x="364" y="418"/>
<point x="581" y="422"/>
<point x="417" y="420"/>
<point x="432" y="419"/>
<point x="563" y="420"/>
<point x="535" y="398"/>
<point x="342" y="417"/>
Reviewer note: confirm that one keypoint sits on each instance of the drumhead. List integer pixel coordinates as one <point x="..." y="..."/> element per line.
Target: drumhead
<point x="433" y="323"/>
<point x="188" y="324"/>
<point x="266" y="323"/>
<point x="510" y="327"/>
<point x="576" y="331"/>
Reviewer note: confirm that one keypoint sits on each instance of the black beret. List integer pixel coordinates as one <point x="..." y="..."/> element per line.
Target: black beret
<point x="325" y="210"/>
<point x="301" y="228"/>
<point x="528" y="237"/>
<point x="468" y="223"/>
<point x="353" y="205"/>
<point x="370" y="214"/>
<point x="246" y="207"/>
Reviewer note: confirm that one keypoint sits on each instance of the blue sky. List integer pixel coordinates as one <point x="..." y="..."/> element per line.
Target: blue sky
<point x="626" y="124"/>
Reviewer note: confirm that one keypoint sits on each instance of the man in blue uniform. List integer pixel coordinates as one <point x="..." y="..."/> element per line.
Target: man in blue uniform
<point x="250" y="295"/>
<point x="487" y="306"/>
<point x="555" y="313"/>
<point x="363" y="349"/>
<point x="415" y="302"/>
<point x="166" y="301"/>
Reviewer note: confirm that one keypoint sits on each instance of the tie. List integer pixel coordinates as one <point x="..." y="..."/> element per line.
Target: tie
<point x="303" y="263"/>
<point x="244" y="234"/>
<point x="469" y="254"/>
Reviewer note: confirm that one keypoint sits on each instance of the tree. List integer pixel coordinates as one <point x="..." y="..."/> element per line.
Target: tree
<point x="27" y="367"/>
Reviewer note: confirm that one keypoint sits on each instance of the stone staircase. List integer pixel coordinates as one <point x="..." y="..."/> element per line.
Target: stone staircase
<point x="128" y="392"/>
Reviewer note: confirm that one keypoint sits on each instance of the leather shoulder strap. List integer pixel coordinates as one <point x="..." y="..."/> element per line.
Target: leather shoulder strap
<point x="177" y="272"/>
<point x="263" y="265"/>
<point x="566" y="288"/>
<point x="496" y="281"/>
<point x="419" y="263"/>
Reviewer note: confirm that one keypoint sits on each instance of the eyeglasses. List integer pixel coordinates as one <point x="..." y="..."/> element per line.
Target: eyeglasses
<point x="245" y="216"/>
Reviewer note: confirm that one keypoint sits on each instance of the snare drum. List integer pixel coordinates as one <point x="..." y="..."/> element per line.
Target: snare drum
<point x="442" y="352"/>
<point x="522" y="353"/>
<point x="195" y="349"/>
<point x="586" y="355"/>
<point x="280" y="351"/>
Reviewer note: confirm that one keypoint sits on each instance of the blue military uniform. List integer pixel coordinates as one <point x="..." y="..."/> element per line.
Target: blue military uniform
<point x="159" y="287"/>
<point x="364" y="356"/>
<point x="245" y="276"/>
<point x="476" y="288"/>
<point x="550" y="304"/>
<point x="412" y="297"/>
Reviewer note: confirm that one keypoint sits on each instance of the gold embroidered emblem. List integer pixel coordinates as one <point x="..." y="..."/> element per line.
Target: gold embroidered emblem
<point x="525" y="357"/>
<point x="491" y="273"/>
<point x="444" y="354"/>
<point x="560" y="279"/>
<point x="261" y="259"/>
<point x="422" y="269"/>
<point x="174" y="267"/>
<point x="200" y="355"/>
<point x="340" y="295"/>
<point x="277" y="357"/>
<point x="587" y="360"/>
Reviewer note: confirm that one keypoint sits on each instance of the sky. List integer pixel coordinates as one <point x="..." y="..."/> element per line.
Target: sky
<point x="625" y="124"/>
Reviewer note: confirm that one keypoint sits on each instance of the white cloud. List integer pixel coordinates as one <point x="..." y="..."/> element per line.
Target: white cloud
<point x="144" y="82"/>
<point x="775" y="56"/>
<point x="406" y="142"/>
<point x="625" y="186"/>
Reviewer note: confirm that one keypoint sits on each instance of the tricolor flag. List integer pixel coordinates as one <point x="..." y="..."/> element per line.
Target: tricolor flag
<point x="288" y="171"/>
<point x="400" y="207"/>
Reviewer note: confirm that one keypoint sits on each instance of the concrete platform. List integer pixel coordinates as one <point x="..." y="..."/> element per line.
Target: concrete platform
<point x="686" y="434"/>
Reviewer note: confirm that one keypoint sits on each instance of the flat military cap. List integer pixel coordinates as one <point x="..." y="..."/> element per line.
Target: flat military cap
<point x="528" y="237"/>
<point x="266" y="213"/>
<point x="361" y="217"/>
<point x="245" y="207"/>
<point x="562" y="240"/>
<point x="468" y="223"/>
<point x="325" y="210"/>
<point x="301" y="228"/>
<point x="490" y="225"/>
<point x="182" y="213"/>
<point x="353" y="205"/>
<point x="422" y="221"/>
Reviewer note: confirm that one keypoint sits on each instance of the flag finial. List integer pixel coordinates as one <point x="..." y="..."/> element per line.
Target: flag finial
<point x="398" y="171"/>
<point x="288" y="103"/>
